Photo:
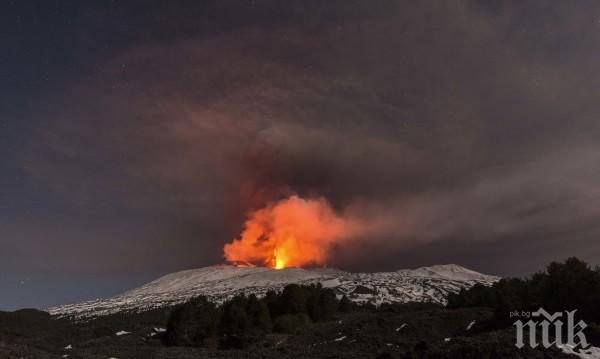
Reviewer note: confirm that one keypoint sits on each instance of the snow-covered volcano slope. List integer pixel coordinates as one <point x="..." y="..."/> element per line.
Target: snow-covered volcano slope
<point x="220" y="282"/>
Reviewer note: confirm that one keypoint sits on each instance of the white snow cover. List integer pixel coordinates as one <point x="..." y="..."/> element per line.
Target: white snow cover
<point x="221" y="282"/>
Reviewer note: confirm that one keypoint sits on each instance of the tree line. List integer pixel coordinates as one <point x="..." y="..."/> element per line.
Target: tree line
<point x="570" y="285"/>
<point x="245" y="319"/>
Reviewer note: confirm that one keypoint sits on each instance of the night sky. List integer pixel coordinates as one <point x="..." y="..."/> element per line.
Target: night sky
<point x="136" y="135"/>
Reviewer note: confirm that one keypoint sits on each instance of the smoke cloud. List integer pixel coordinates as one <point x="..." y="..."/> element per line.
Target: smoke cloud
<point x="443" y="125"/>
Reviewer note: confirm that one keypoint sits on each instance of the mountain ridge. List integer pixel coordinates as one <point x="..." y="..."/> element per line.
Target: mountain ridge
<point x="222" y="281"/>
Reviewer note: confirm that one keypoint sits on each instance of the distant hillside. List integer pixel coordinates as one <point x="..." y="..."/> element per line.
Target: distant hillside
<point x="221" y="282"/>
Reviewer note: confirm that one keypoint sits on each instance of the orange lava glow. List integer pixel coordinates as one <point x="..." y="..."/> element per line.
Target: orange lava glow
<point x="293" y="232"/>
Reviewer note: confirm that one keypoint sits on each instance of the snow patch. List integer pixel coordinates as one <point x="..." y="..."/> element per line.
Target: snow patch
<point x="401" y="327"/>
<point x="471" y="325"/>
<point x="589" y="353"/>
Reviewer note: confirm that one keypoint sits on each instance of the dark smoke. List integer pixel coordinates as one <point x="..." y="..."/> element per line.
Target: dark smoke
<point x="457" y="126"/>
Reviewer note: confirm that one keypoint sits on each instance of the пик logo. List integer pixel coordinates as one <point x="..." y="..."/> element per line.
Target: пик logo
<point x="552" y="326"/>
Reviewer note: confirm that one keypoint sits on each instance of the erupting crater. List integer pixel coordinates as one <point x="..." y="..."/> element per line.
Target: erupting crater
<point x="293" y="232"/>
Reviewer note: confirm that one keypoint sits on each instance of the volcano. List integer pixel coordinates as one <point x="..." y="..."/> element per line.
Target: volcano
<point x="221" y="282"/>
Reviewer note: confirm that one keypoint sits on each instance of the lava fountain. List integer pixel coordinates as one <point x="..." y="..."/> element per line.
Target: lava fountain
<point x="293" y="232"/>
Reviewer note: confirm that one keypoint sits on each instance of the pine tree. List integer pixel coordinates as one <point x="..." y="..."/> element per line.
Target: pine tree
<point x="193" y="323"/>
<point x="345" y="304"/>
<point x="258" y="313"/>
<point x="235" y="320"/>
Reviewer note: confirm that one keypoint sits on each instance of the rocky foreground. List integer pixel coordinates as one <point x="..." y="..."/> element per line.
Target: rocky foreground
<point x="409" y="331"/>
